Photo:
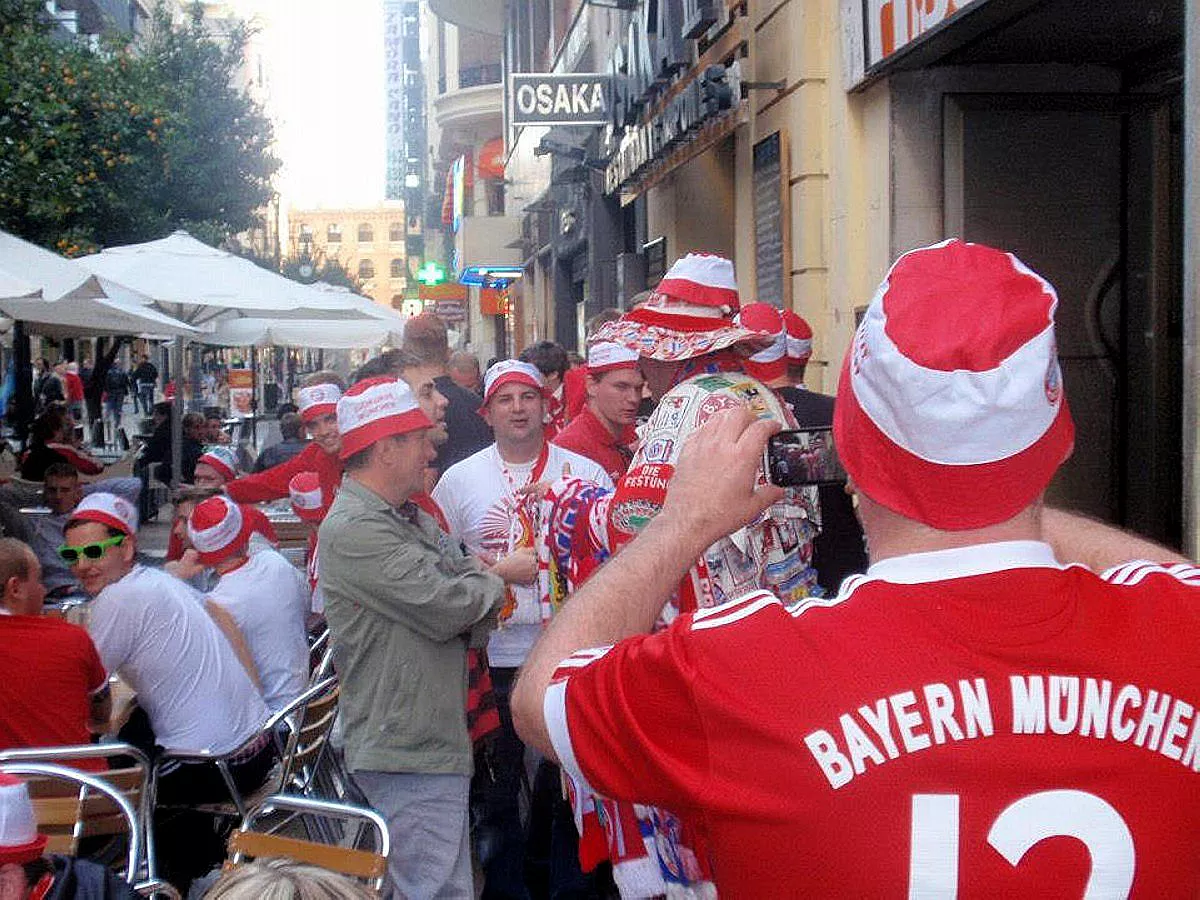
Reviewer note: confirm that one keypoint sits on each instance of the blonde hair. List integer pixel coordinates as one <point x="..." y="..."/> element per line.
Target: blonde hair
<point x="286" y="879"/>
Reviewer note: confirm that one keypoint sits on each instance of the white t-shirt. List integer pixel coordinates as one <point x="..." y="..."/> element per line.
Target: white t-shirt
<point x="476" y="496"/>
<point x="268" y="598"/>
<point x="152" y="629"/>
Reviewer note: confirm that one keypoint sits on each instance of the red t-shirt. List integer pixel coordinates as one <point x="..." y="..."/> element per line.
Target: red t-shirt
<point x="1014" y="729"/>
<point x="74" y="387"/>
<point x="272" y="484"/>
<point x="49" y="670"/>
<point x="587" y="436"/>
<point x="574" y="391"/>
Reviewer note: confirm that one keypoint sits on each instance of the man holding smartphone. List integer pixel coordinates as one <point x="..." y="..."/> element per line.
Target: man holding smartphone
<point x="979" y="715"/>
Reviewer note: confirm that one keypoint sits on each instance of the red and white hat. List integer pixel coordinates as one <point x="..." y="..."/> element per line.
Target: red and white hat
<point x="689" y="314"/>
<point x="510" y="371"/>
<point x="950" y="410"/>
<point x="218" y="529"/>
<point x="799" y="338"/>
<point x="376" y="408"/>
<point x="318" y="400"/>
<point x="605" y="356"/>
<point x="770" y="362"/>
<point x="221" y="458"/>
<point x="107" y="509"/>
<point x="307" y="499"/>
<point x="20" y="842"/>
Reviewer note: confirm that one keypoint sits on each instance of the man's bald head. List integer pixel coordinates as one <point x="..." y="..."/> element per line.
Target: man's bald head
<point x="425" y="337"/>
<point x="20" y="578"/>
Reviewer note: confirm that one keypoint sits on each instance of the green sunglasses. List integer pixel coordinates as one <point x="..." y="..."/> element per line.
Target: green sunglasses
<point x="72" y="555"/>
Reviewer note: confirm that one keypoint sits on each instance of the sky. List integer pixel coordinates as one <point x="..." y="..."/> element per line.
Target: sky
<point x="324" y="62"/>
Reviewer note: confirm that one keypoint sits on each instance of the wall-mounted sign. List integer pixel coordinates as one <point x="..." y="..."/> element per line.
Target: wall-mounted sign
<point x="550" y="99"/>
<point x="450" y="311"/>
<point x="451" y="290"/>
<point x="893" y="24"/>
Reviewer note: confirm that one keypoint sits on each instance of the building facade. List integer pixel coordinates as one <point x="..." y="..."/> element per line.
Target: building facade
<point x="813" y="141"/>
<point x="468" y="228"/>
<point x="370" y="244"/>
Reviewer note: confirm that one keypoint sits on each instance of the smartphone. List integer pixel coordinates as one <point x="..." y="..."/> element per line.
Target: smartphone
<point x="803" y="456"/>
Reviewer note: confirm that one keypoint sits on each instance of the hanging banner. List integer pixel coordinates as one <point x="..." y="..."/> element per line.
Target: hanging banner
<point x="241" y="393"/>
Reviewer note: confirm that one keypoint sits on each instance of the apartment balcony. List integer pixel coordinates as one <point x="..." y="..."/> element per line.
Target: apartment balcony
<point x="469" y="108"/>
<point x="478" y="15"/>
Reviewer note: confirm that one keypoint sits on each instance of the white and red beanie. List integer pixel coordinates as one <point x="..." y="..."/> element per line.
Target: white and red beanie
<point x="511" y="371"/>
<point x="689" y="314"/>
<point x="318" y="400"/>
<point x="771" y="361"/>
<point x="799" y="338"/>
<point x="950" y="410"/>
<point x="218" y="529"/>
<point x="222" y="459"/>
<point x="308" y="501"/>
<point x="605" y="356"/>
<point x="20" y="841"/>
<point x="376" y="408"/>
<point x="107" y="509"/>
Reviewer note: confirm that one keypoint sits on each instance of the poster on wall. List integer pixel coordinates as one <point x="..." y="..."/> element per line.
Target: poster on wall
<point x="772" y="225"/>
<point x="241" y="393"/>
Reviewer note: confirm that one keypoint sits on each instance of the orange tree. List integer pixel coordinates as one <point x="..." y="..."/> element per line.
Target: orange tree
<point x="122" y="143"/>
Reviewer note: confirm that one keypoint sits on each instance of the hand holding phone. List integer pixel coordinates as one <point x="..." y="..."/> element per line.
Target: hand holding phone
<point x="802" y="457"/>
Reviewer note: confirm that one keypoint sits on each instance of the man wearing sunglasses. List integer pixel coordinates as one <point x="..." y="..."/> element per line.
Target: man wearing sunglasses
<point x="192" y="691"/>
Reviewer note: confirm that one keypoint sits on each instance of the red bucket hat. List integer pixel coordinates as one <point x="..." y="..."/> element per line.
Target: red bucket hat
<point x="511" y="371"/>
<point x="772" y="361"/>
<point x="218" y="528"/>
<point x="689" y="314"/>
<point x="223" y="459"/>
<point x="304" y="490"/>
<point x="107" y="509"/>
<point x="799" y="338"/>
<point x="950" y="409"/>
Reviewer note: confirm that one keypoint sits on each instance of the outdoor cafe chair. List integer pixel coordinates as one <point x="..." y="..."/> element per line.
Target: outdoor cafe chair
<point x="306" y="720"/>
<point x="256" y="839"/>
<point x="129" y="773"/>
<point x="71" y="805"/>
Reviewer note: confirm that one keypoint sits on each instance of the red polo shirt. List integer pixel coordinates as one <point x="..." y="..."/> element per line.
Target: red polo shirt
<point x="588" y="436"/>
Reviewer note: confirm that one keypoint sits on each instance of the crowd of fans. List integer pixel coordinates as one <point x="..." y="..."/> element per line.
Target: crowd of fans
<point x="460" y="527"/>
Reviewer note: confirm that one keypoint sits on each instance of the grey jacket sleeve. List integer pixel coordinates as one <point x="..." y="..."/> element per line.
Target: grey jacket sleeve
<point x="405" y="581"/>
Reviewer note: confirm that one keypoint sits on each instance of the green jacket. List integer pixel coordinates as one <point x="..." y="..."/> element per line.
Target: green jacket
<point x="403" y="603"/>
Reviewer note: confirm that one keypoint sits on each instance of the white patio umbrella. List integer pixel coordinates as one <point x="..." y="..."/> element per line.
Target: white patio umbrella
<point x="58" y="297"/>
<point x="28" y="270"/>
<point x="196" y="283"/>
<point x="316" y="333"/>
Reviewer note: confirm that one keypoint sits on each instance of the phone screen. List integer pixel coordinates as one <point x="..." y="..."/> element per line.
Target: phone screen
<point x="803" y="456"/>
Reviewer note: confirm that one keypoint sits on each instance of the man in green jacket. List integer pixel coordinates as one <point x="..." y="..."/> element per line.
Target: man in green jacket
<point x="403" y="604"/>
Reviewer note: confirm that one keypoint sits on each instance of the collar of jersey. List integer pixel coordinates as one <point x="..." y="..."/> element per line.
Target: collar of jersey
<point x="963" y="562"/>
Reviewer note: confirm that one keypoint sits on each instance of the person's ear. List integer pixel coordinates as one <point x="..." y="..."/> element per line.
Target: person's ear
<point x="128" y="548"/>
<point x="13" y="586"/>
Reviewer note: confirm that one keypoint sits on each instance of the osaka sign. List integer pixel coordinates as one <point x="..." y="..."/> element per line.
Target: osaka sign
<point x="546" y="99"/>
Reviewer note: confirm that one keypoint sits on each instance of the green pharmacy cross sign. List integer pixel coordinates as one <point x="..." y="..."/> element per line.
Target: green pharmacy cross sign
<point x="431" y="273"/>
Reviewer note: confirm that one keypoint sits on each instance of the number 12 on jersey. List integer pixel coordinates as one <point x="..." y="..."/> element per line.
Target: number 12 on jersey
<point x="934" y="844"/>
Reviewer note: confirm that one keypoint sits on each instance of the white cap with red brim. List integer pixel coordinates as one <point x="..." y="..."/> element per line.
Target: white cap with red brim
<point x="511" y="371"/>
<point x="107" y="509"/>
<point x="605" y="356"/>
<point x="950" y="410"/>
<point x="374" y="409"/>
<point x="318" y="400"/>
<point x="223" y="459"/>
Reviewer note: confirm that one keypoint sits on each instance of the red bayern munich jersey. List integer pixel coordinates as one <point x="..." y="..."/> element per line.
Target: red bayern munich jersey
<point x="966" y="723"/>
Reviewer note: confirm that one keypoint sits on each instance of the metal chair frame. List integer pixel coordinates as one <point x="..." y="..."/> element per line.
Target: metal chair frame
<point x="88" y="781"/>
<point x="72" y="753"/>
<point x="346" y="813"/>
<point x="291" y="716"/>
